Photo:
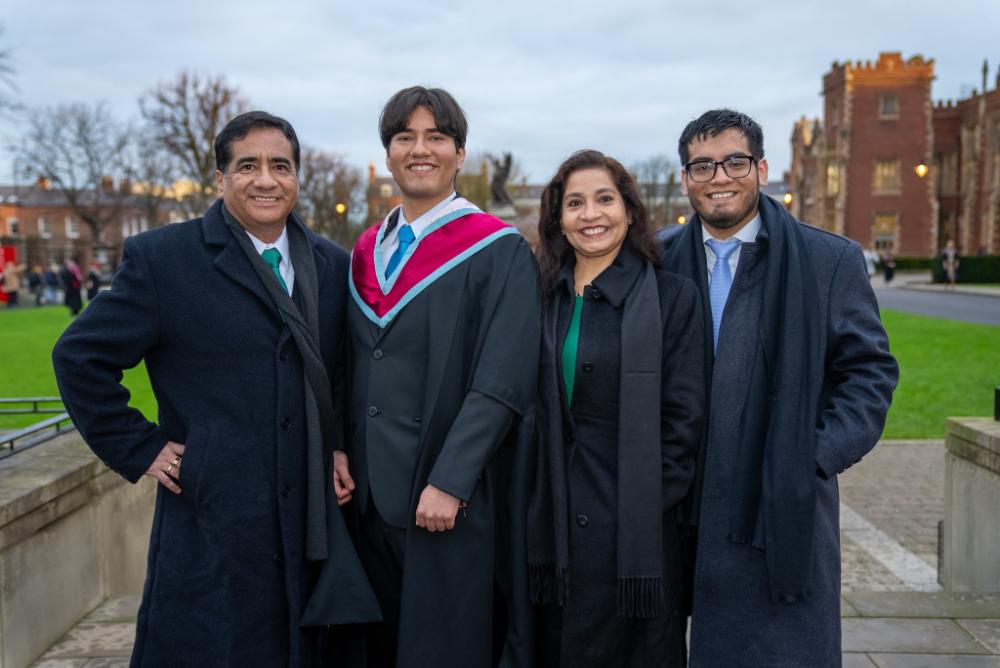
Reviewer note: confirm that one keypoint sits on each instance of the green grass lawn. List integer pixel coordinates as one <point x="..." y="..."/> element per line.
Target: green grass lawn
<point x="26" y="339"/>
<point x="947" y="368"/>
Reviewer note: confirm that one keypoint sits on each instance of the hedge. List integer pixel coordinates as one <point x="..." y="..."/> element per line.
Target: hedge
<point x="971" y="269"/>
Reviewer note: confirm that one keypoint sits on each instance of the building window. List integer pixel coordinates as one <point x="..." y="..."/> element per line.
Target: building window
<point x="44" y="231"/>
<point x="386" y="190"/>
<point x="947" y="173"/>
<point x="884" y="234"/>
<point x="13" y="227"/>
<point x="72" y="229"/>
<point x="888" y="105"/>
<point x="832" y="180"/>
<point x="886" y="177"/>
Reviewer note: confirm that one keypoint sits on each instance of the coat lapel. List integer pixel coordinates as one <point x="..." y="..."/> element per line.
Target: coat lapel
<point x="231" y="260"/>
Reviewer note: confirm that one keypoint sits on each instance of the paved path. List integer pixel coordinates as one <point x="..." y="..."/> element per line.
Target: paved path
<point x="982" y="309"/>
<point x="894" y="614"/>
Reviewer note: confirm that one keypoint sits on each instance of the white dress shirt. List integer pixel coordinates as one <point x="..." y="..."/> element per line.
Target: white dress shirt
<point x="391" y="240"/>
<point x="746" y="235"/>
<point x="285" y="267"/>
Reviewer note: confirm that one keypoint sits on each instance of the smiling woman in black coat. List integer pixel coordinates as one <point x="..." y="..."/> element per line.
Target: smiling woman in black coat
<point x="621" y="400"/>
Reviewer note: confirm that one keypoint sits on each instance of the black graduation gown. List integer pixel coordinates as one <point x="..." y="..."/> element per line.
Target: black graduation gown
<point x="481" y="324"/>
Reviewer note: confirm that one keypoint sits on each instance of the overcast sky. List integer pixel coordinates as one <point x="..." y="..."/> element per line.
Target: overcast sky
<point x="540" y="79"/>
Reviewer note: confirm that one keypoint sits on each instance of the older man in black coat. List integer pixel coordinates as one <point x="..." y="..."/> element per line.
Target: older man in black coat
<point x="801" y="380"/>
<point x="239" y="317"/>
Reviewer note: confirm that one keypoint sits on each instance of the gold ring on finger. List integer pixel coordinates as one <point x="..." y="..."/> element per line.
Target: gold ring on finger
<point x="176" y="461"/>
<point x="170" y="467"/>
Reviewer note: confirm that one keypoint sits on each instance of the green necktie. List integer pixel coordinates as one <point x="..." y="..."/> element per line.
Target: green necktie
<point x="273" y="258"/>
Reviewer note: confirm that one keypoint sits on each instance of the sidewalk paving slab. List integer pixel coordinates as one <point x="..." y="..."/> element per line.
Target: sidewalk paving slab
<point x="930" y="636"/>
<point x="924" y="605"/>
<point x="853" y="660"/>
<point x="932" y="661"/>
<point x="985" y="631"/>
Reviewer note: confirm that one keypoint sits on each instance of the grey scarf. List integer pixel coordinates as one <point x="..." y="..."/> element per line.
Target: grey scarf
<point x="321" y="423"/>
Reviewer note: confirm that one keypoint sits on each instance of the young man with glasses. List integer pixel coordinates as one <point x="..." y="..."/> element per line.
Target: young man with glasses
<point x="800" y="383"/>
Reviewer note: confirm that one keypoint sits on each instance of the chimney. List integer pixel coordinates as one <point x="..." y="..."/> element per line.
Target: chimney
<point x="125" y="186"/>
<point x="107" y="184"/>
<point x="42" y="183"/>
<point x="371" y="172"/>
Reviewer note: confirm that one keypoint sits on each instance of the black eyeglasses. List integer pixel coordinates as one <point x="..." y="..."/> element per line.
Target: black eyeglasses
<point x="735" y="167"/>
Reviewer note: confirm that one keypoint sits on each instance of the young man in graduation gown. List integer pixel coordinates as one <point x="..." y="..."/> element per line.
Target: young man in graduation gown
<point x="444" y="324"/>
<point x="240" y="319"/>
<point x="801" y="381"/>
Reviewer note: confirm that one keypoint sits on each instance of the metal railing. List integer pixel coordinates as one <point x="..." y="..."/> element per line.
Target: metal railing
<point x="35" y="405"/>
<point x="26" y="437"/>
<point x="22" y="439"/>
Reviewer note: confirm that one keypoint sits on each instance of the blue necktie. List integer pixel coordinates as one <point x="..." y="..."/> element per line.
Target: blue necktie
<point x="405" y="239"/>
<point x="273" y="258"/>
<point x="722" y="280"/>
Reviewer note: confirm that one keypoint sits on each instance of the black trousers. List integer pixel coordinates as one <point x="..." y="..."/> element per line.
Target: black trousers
<point x="382" y="554"/>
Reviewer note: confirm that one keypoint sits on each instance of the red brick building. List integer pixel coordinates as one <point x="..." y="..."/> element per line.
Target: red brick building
<point x="42" y="228"/>
<point x="893" y="171"/>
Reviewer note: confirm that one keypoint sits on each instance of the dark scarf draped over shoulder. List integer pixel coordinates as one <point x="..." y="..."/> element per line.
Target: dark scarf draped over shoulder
<point x="773" y="499"/>
<point x="639" y="512"/>
<point x="303" y="322"/>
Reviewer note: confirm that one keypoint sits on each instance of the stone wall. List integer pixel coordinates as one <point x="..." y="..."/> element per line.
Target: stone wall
<point x="72" y="533"/>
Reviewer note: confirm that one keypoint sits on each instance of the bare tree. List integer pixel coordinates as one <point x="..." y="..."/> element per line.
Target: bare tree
<point x="155" y="171"/>
<point x="657" y="179"/>
<point x="80" y="150"/>
<point x="331" y="196"/>
<point x="185" y="115"/>
<point x="8" y="88"/>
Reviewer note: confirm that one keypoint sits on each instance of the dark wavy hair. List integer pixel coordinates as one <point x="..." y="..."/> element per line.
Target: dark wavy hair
<point x="239" y="127"/>
<point x="553" y="249"/>
<point x="448" y="115"/>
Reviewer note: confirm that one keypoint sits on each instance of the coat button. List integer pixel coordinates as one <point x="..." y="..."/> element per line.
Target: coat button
<point x="283" y="356"/>
<point x="588" y="367"/>
<point x="582" y="520"/>
<point x="377" y="353"/>
<point x="372" y="411"/>
<point x="596" y="294"/>
<point x="277" y="558"/>
<point x="285" y="489"/>
<point x="286" y="423"/>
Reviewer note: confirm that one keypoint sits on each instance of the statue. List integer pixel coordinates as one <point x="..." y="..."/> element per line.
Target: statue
<point x="501" y="171"/>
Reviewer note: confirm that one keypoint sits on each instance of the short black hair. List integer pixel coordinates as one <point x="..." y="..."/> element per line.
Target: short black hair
<point x="448" y="116"/>
<point x="717" y="121"/>
<point x="239" y="127"/>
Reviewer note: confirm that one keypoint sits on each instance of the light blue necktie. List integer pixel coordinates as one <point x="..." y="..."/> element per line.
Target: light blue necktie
<point x="722" y="280"/>
<point x="405" y="239"/>
<point x="273" y="258"/>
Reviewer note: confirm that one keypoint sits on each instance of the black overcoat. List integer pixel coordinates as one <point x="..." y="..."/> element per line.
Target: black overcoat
<point x="227" y="578"/>
<point x="480" y="326"/>
<point x="587" y="632"/>
<point x="733" y="622"/>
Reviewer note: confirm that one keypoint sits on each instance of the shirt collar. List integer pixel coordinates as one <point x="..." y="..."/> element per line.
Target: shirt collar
<point x="747" y="234"/>
<point x="425" y="219"/>
<point x="281" y="243"/>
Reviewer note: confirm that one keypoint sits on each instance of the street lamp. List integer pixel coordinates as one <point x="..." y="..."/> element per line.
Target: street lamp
<point x="921" y="170"/>
<point x="681" y="220"/>
<point x="341" y="208"/>
<point x="787" y="199"/>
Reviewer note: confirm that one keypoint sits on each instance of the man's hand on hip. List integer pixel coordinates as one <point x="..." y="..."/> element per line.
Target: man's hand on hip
<point x="343" y="483"/>
<point x="167" y="466"/>
<point x="436" y="510"/>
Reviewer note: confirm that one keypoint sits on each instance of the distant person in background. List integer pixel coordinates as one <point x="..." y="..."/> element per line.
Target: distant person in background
<point x="871" y="262"/>
<point x="93" y="281"/>
<point x="12" y="282"/>
<point x="72" y="279"/>
<point x="35" y="283"/>
<point x="888" y="267"/>
<point x="50" y="290"/>
<point x="949" y="262"/>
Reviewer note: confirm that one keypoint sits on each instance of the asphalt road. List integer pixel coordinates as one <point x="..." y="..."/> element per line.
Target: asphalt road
<point x="982" y="309"/>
